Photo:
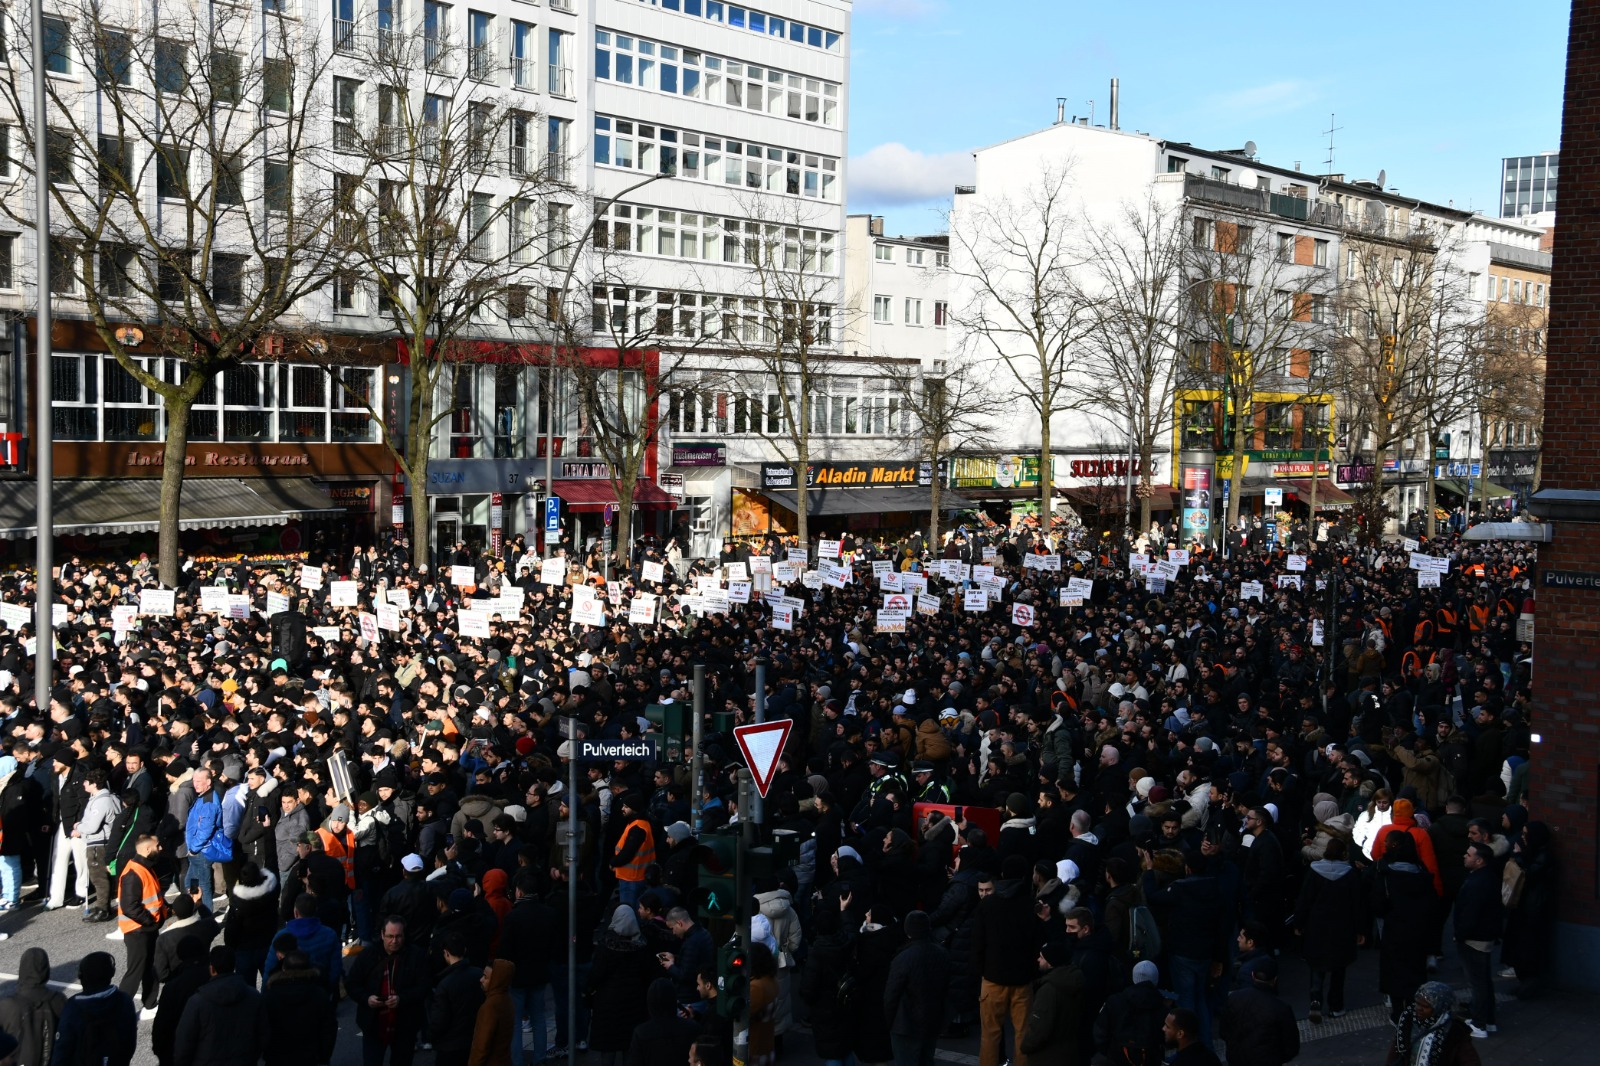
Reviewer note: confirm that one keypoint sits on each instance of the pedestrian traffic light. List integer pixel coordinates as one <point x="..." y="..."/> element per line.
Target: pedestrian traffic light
<point x="733" y="980"/>
<point x="673" y="720"/>
<point x="716" y="860"/>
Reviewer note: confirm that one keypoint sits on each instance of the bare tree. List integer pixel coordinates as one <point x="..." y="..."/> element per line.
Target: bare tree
<point x="453" y="208"/>
<point x="185" y="220"/>
<point x="953" y="413"/>
<point x="1256" y="307"/>
<point x="1133" y="284"/>
<point x="1023" y="311"/>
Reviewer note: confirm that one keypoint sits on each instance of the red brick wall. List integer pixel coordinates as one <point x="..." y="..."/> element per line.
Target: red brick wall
<point x="1567" y="650"/>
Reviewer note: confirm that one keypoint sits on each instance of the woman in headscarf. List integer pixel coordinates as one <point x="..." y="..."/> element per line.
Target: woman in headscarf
<point x="619" y="983"/>
<point x="1375" y="817"/>
<point x="1402" y="895"/>
<point x="1430" y="1034"/>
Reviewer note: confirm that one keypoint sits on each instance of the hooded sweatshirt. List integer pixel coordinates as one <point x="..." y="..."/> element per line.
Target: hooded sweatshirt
<point x="31" y="1012"/>
<point x="101" y="1024"/>
<point x="491" y="1039"/>
<point x="1403" y="820"/>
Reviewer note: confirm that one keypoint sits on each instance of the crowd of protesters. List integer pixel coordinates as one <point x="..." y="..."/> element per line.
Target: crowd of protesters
<point x="1191" y="786"/>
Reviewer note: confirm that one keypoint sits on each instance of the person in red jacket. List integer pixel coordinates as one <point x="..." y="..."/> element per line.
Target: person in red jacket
<point x="1402" y="819"/>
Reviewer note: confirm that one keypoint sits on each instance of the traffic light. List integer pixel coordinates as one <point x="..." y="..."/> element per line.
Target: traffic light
<point x="733" y="980"/>
<point x="716" y="861"/>
<point x="673" y="720"/>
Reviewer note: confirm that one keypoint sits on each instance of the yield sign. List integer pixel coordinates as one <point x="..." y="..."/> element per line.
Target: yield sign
<point x="762" y="744"/>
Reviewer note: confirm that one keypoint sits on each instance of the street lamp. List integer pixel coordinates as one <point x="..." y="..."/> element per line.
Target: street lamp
<point x="44" y="429"/>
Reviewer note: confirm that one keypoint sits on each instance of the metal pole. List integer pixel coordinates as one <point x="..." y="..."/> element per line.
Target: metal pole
<point x="696" y="764"/>
<point x="741" y="911"/>
<point x="758" y="812"/>
<point x="572" y="903"/>
<point x="549" y="443"/>
<point x="43" y="429"/>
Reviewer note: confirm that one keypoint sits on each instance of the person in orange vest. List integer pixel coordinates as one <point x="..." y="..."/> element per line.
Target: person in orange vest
<point x="141" y="908"/>
<point x="635" y="850"/>
<point x="339" y="843"/>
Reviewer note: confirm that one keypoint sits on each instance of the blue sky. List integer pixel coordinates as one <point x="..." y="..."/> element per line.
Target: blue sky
<point x="1434" y="93"/>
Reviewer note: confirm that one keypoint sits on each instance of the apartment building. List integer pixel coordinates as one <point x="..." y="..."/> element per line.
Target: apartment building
<point x="897" y="290"/>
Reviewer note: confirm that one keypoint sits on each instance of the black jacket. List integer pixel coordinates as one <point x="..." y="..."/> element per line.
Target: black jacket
<point x="31" y="1012"/>
<point x="1128" y="1028"/>
<point x="664" y="1038"/>
<point x="1005" y="950"/>
<point x="1330" y="914"/>
<point x="175" y="995"/>
<point x="528" y="938"/>
<point x="832" y="1020"/>
<point x="1054" y="1032"/>
<point x="1192" y="917"/>
<point x="1480" y="914"/>
<point x="414" y="900"/>
<point x="619" y="982"/>
<point x="1260" y="1029"/>
<point x="453" y="1009"/>
<point x="96" y="1027"/>
<point x="252" y="918"/>
<point x="410" y="985"/>
<point x="913" y="999"/>
<point x="224" y="1024"/>
<point x="201" y="925"/>
<point x="301" y="1026"/>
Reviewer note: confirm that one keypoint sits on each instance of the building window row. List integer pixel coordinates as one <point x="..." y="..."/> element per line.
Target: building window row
<point x="666" y="68"/>
<point x="740" y="17"/>
<point x="714" y="238"/>
<point x="97" y="399"/>
<point x="633" y="314"/>
<point x="840" y="408"/>
<point x="1516" y="291"/>
<point x="911" y="312"/>
<point x="915" y="257"/>
<point x="674" y="153"/>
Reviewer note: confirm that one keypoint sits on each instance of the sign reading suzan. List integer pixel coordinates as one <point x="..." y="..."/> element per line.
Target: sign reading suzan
<point x="848" y="475"/>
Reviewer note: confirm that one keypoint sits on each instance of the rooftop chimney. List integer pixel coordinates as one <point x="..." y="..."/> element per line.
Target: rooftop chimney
<point x="1115" y="94"/>
<point x="875" y="225"/>
<point x="1061" y="110"/>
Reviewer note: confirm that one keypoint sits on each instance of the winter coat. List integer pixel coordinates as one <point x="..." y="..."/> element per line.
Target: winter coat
<point x="528" y="939"/>
<point x="1479" y="912"/>
<point x="31" y="1012"/>
<point x="203" y="834"/>
<point x="1330" y="914"/>
<point x="1054" y="1034"/>
<point x="452" y="1007"/>
<point x="1128" y="1027"/>
<point x="620" y="976"/>
<point x="664" y="1038"/>
<point x="1339" y="827"/>
<point x="1260" y="1029"/>
<point x="200" y="925"/>
<point x="224" y="1024"/>
<point x="1192" y="917"/>
<point x="497" y="1022"/>
<point x="301" y="1027"/>
<point x="952" y="924"/>
<point x="1402" y="895"/>
<point x="1004" y="943"/>
<point x="779" y="910"/>
<point x="914" y="996"/>
<point x="875" y="951"/>
<point x="175" y="995"/>
<point x="286" y="832"/>
<point x="252" y="918"/>
<point x="1402" y="820"/>
<point x="1366" y="828"/>
<point x="96" y="1027"/>
<point x="932" y="745"/>
<point x="1426" y="773"/>
<point x="410" y="986"/>
<point x="258" y="842"/>
<point x="1457" y="1049"/>
<point x="478" y="805"/>
<point x="317" y="941"/>
<point x="832" y="1019"/>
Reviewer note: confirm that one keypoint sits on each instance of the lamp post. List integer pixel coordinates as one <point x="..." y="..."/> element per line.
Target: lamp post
<point x="43" y="428"/>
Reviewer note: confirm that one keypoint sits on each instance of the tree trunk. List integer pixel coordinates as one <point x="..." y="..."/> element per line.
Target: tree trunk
<point x="1428" y="525"/>
<point x="622" y="527"/>
<point x="1047" y="503"/>
<point x="802" y="523"/>
<point x="419" y="441"/>
<point x="1236" y="475"/>
<point x="1483" y="463"/>
<point x="173" y="455"/>
<point x="935" y="490"/>
<point x="1146" y="457"/>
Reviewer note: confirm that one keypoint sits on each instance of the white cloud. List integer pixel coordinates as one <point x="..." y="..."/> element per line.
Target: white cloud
<point x="892" y="175"/>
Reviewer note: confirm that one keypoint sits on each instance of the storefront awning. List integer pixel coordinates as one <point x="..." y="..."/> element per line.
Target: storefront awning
<point x="1103" y="497"/>
<point x="588" y="496"/>
<point x="1328" y="494"/>
<point x="296" y="497"/>
<point x="888" y="500"/>
<point x="1480" y="489"/>
<point x="133" y="505"/>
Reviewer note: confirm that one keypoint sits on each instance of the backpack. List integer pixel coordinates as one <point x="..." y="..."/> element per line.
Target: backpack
<point x="1144" y="936"/>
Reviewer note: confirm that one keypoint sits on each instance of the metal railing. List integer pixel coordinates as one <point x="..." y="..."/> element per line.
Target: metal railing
<point x="344" y="36"/>
<point x="561" y="82"/>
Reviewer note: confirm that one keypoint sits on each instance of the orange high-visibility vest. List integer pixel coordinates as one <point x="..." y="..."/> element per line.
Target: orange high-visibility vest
<point x="344" y="849"/>
<point x="633" y="869"/>
<point x="150" y="896"/>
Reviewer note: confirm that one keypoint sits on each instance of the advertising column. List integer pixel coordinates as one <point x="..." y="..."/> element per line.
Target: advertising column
<point x="1195" y="480"/>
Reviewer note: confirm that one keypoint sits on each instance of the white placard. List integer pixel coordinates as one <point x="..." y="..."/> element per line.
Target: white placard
<point x="982" y="573"/>
<point x="310" y="576"/>
<point x="461" y="576"/>
<point x="326" y="634"/>
<point x="238" y="606"/>
<point x="917" y="583"/>
<point x="158" y="602"/>
<point x="401" y="598"/>
<point x="278" y="602"/>
<point x="760" y="564"/>
<point x="1167" y="569"/>
<point x="553" y="571"/>
<point x="1033" y="562"/>
<point x="782" y="616"/>
<point x="891" y="622"/>
<point x="1178" y="555"/>
<point x="1427" y="579"/>
<point x="927" y="603"/>
<point x="811" y="579"/>
<point x="715" y="601"/>
<point x="1138" y="561"/>
<point x="1295" y="562"/>
<point x="797" y="555"/>
<point x="833" y="576"/>
<point x="343" y="593"/>
<point x="652" y="571"/>
<point x="975" y="600"/>
<point x="828" y="549"/>
<point x="15" y="616"/>
<point x="739" y="592"/>
<point x="514" y="594"/>
<point x="881" y="567"/>
<point x="214" y="599"/>
<point x="990" y="553"/>
<point x="996" y="589"/>
<point x="642" y="609"/>
<point x="1316" y="632"/>
<point x="794" y="603"/>
<point x="704" y="583"/>
<point x="1322" y="583"/>
<point x="1069" y="600"/>
<point x="1408" y="544"/>
<point x="122" y="616"/>
<point x="897" y="601"/>
<point x="736" y="571"/>
<point x="1422" y="562"/>
<point x="58" y="615"/>
<point x="1155" y="583"/>
<point x="472" y="624"/>
<point x="388" y="617"/>
<point x="614" y="593"/>
<point x="1021" y="614"/>
<point x="1050" y="562"/>
<point x="369" y="627"/>
<point x="1289" y="581"/>
<point x="892" y="582"/>
<point x="786" y="573"/>
<point x="1080" y="586"/>
<point x="1249" y="589"/>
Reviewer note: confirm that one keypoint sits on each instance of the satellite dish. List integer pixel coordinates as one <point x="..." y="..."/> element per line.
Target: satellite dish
<point x="1250" y="149"/>
<point x="1383" y="176"/>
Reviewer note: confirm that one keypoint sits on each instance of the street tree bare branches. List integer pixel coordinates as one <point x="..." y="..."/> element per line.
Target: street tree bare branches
<point x="952" y="413"/>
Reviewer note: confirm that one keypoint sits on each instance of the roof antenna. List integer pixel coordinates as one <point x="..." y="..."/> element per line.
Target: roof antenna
<point x="1329" y="132"/>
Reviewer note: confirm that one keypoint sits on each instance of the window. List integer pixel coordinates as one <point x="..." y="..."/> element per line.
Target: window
<point x="344" y="25"/>
<point x="556" y="233"/>
<point x="524" y="63"/>
<point x="1176" y="164"/>
<point x="171" y="70"/>
<point x="696" y="157"/>
<point x="75" y="408"/>
<point x="229" y="181"/>
<point x="1205" y="232"/>
<point x="1285" y="247"/>
<point x="1220" y="174"/>
<point x="1352" y="268"/>
<point x="1538" y="295"/>
<point x="6" y="170"/>
<point x="132" y="412"/>
<point x="435" y="31"/>
<point x="227" y="78"/>
<point x="557" y="148"/>
<point x="463" y="431"/>
<point x="559" y="61"/>
<point x="517" y="304"/>
<point x="64" y="267"/>
<point x="114" y="58"/>
<point x="699" y="508"/>
<point x="116" y="171"/>
<point x="914" y="257"/>
<point x="1319" y="253"/>
<point x="345" y="91"/>
<point x="302" y="403"/>
<point x="347" y="291"/>
<point x="480" y="45"/>
<point x="941" y="313"/>
<point x="1397" y="271"/>
<point x="883" y="253"/>
<point x="353" y="396"/>
<point x="1516" y="290"/>
<point x="941" y="260"/>
<point x="227" y="279"/>
<point x="8" y="251"/>
<point x="115" y="274"/>
<point x="481" y="247"/>
<point x="57" y="46"/>
<point x="63" y="151"/>
<point x="277" y="84"/>
<point x="882" y="310"/>
<point x="913" y="312"/>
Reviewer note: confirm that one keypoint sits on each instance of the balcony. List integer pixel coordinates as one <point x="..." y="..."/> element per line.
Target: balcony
<point x="524" y="73"/>
<point x="1296" y="208"/>
<point x="344" y="36"/>
<point x="561" y="82"/>
<point x="480" y="63"/>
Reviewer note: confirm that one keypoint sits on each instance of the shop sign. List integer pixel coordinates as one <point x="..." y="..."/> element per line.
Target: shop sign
<point x="1513" y="466"/>
<point x="352" y="496"/>
<point x="995" y="472"/>
<point x="585" y="470"/>
<point x="1457" y="469"/>
<point x="1300" y="470"/>
<point x="1354" y="473"/>
<point x="449" y="477"/>
<point x="141" y="457"/>
<point x="699" y="455"/>
<point x="848" y="475"/>
<point x="672" y="484"/>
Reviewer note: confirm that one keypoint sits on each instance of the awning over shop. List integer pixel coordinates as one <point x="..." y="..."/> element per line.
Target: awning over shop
<point x="1480" y="489"/>
<point x="888" y="500"/>
<point x="1103" y="497"/>
<point x="296" y="497"/>
<point x="133" y="505"/>
<point x="1328" y="494"/>
<point x="587" y="496"/>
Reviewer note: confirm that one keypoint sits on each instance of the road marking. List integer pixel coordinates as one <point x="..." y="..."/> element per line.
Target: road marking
<point x="75" y="986"/>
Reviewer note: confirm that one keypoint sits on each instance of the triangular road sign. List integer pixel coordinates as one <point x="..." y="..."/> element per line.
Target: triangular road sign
<point x="762" y="745"/>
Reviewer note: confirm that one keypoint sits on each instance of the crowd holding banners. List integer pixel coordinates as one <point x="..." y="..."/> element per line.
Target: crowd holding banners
<point x="1180" y="749"/>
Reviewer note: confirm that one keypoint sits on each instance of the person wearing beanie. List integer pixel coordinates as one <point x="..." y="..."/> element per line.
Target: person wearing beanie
<point x="1128" y="1027"/>
<point x="1005" y="951"/>
<point x="189" y="919"/>
<point x="635" y="850"/>
<point x="99" y="1024"/>
<point x="1017" y="831"/>
<point x="914" y="994"/>
<point x="1056" y="1030"/>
